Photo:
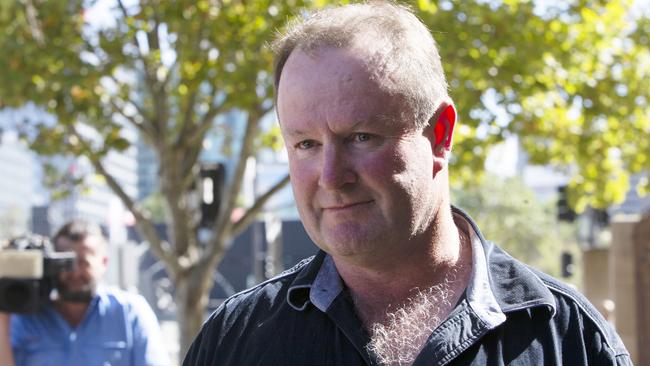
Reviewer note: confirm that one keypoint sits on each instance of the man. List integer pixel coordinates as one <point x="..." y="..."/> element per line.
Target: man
<point x="402" y="277"/>
<point x="88" y="324"/>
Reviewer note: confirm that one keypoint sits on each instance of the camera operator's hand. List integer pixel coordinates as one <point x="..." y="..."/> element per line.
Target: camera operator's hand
<point x="6" y="354"/>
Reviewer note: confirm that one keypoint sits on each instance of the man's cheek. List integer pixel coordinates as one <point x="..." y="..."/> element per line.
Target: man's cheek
<point x="64" y="277"/>
<point x="300" y="180"/>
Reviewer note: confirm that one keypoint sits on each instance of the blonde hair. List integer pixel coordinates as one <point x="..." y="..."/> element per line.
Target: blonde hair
<point x="409" y="52"/>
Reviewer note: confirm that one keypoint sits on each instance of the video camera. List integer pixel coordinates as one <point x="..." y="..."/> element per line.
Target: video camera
<point x="28" y="272"/>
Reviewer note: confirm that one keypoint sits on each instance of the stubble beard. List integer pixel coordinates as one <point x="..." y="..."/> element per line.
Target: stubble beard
<point x="83" y="295"/>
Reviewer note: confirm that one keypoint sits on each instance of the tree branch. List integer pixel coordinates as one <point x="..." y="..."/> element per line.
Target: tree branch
<point x="223" y="225"/>
<point x="157" y="94"/>
<point x="187" y="129"/>
<point x="193" y="142"/>
<point x="142" y="112"/>
<point x="32" y="19"/>
<point x="189" y="162"/>
<point x="181" y="225"/>
<point x="187" y="122"/>
<point x="152" y="35"/>
<point x="196" y="136"/>
<point x="144" y="224"/>
<point x="139" y="126"/>
<point x="248" y="217"/>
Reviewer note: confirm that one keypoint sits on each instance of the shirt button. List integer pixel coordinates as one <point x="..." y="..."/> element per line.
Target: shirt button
<point x="73" y="337"/>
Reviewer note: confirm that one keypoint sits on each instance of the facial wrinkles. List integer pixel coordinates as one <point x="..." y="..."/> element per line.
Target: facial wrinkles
<point x="327" y="98"/>
<point x="413" y="172"/>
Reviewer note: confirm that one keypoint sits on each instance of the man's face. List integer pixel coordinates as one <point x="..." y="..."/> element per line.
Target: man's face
<point x="362" y="176"/>
<point x="81" y="283"/>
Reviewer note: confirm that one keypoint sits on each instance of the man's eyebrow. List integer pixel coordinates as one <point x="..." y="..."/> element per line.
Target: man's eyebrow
<point x="293" y="132"/>
<point x="381" y="119"/>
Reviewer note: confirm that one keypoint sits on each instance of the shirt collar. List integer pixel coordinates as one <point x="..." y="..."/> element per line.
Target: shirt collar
<point x="100" y="303"/>
<point x="101" y="299"/>
<point x="327" y="285"/>
<point x="479" y="293"/>
<point x="513" y="284"/>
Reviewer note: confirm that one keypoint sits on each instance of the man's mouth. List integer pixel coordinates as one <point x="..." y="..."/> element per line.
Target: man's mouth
<point x="346" y="206"/>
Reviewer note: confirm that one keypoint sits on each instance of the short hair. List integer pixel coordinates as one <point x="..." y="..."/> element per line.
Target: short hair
<point x="412" y="57"/>
<point x="78" y="230"/>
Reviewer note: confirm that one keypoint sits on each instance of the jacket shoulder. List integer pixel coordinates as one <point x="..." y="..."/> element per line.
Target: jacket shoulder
<point x="574" y="309"/>
<point x="238" y="316"/>
<point x="270" y="289"/>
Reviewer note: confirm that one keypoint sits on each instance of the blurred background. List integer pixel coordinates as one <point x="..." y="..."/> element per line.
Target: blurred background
<point x="155" y="119"/>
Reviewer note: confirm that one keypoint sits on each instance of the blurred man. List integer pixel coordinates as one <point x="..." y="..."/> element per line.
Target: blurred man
<point x="87" y="324"/>
<point x="402" y="276"/>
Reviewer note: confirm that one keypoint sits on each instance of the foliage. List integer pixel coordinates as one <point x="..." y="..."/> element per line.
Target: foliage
<point x="154" y="207"/>
<point x="569" y="79"/>
<point x="510" y="215"/>
<point x="165" y="69"/>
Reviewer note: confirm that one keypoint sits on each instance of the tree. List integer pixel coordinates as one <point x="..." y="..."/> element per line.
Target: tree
<point x="568" y="79"/>
<point x="167" y="70"/>
<point x="509" y="214"/>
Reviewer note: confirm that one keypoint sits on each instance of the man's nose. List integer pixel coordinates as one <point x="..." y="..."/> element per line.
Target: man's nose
<point x="336" y="168"/>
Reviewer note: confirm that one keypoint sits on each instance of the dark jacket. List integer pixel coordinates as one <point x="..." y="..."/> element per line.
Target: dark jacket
<point x="543" y="322"/>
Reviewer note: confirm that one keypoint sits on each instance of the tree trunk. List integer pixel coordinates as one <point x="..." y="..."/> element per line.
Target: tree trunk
<point x="191" y="304"/>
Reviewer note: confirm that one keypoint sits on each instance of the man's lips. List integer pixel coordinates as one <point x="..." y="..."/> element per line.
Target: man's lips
<point x="345" y="206"/>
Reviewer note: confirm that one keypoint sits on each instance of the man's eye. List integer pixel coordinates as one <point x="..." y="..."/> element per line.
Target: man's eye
<point x="361" y="137"/>
<point x="304" y="145"/>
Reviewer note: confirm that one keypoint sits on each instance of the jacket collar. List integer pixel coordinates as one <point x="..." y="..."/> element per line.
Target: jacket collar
<point x="514" y="285"/>
<point x="300" y="288"/>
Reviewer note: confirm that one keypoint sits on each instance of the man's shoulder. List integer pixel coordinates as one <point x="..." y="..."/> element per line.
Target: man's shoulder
<point x="271" y="291"/>
<point x="568" y="296"/>
<point x="571" y="306"/>
<point x="247" y="320"/>
<point x="571" y="317"/>
<point x="118" y="295"/>
<point x="113" y="297"/>
<point x="251" y="305"/>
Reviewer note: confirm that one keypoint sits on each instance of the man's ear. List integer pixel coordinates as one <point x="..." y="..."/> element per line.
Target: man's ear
<point x="443" y="129"/>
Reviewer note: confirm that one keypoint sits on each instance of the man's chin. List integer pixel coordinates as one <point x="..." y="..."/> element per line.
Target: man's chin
<point x="80" y="296"/>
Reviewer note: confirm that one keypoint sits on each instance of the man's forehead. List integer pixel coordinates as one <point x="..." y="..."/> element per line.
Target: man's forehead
<point x="311" y="62"/>
<point x="342" y="79"/>
<point x="88" y="243"/>
<point x="330" y="69"/>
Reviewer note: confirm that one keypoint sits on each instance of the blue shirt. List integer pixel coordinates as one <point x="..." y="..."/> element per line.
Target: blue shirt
<point x="119" y="329"/>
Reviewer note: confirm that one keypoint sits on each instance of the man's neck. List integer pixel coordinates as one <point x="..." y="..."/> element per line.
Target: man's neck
<point x="72" y="312"/>
<point x="401" y="306"/>
<point x="377" y="290"/>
